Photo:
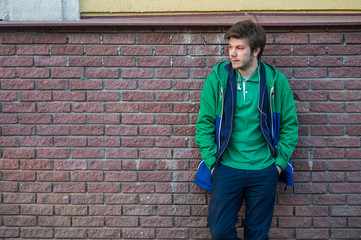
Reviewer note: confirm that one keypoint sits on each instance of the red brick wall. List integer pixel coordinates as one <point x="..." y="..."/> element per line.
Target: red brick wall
<point x="97" y="131"/>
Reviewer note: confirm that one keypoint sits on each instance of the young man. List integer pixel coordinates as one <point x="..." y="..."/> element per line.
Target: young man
<point x="247" y="129"/>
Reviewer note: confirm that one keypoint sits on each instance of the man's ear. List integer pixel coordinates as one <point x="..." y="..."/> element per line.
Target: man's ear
<point x="256" y="52"/>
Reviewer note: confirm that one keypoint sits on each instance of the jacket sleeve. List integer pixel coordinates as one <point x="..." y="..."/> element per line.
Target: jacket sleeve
<point x="205" y="125"/>
<point x="288" y="134"/>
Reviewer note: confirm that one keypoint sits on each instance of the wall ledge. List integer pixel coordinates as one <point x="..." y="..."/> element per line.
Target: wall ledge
<point x="264" y="19"/>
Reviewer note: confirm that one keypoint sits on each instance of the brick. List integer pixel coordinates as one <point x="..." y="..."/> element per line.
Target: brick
<point x="171" y="142"/>
<point x="353" y="177"/>
<point x="20" y="221"/>
<point x="103" y="142"/>
<point x="188" y="85"/>
<point x="88" y="107"/>
<point x="120" y="84"/>
<point x="104" y="233"/>
<point x="139" y="210"/>
<point x="53" y="198"/>
<point x="136" y="50"/>
<point x="35" y="96"/>
<point x="326" y="38"/>
<point x="345" y="188"/>
<point x="53" y="153"/>
<point x="121" y="130"/>
<point x="137" y="142"/>
<point x="105" y="210"/>
<point x="121" y="199"/>
<point x="16" y="38"/>
<point x="122" y="176"/>
<point x="18" y="130"/>
<point x="186" y="153"/>
<point x="86" y="176"/>
<point x="343" y="142"/>
<point x="36" y="164"/>
<point x="36" y="50"/>
<point x="7" y="73"/>
<point x="344" y="50"/>
<point x="67" y="50"/>
<point x="104" y="187"/>
<point x="184" y="130"/>
<point x="86" y="153"/>
<point x="137" y="188"/>
<point x="70" y="233"/>
<point x="328" y="199"/>
<point x="294" y="199"/>
<point x="51" y="130"/>
<point x="170" y="50"/>
<point x="310" y="188"/>
<point x="7" y="209"/>
<point x="137" y="119"/>
<point x="103" y="119"/>
<point x="39" y="233"/>
<point x="328" y="177"/>
<point x="53" y="107"/>
<point x="188" y="39"/>
<point x="344" y="165"/>
<point x="102" y="73"/>
<point x="118" y="38"/>
<point x="174" y="164"/>
<point x="156" y="222"/>
<point x="37" y="210"/>
<point x="345" y="118"/>
<point x="153" y="39"/>
<point x="119" y="61"/>
<point x="137" y="96"/>
<point x="328" y="153"/>
<point x="189" y="199"/>
<point x="298" y="38"/>
<point x="21" y="198"/>
<point x="51" y="221"/>
<point x="51" y="176"/>
<point x="291" y="62"/>
<point x="349" y="211"/>
<point x="7" y="50"/>
<point x="345" y="233"/>
<point x="16" y="61"/>
<point x="311" y="211"/>
<point x="50" y="38"/>
<point x="312" y="234"/>
<point x="345" y="72"/>
<point x="86" y="199"/>
<point x="87" y="130"/>
<point x="18" y="107"/>
<point x="155" y="153"/>
<point x="155" y="130"/>
<point x="345" y="96"/>
<point x="88" y="221"/>
<point x="36" y="141"/>
<point x="121" y="221"/>
<point x="327" y="107"/>
<point x="310" y="72"/>
<point x="352" y="38"/>
<point x="327" y="130"/>
<point x="312" y="119"/>
<point x="71" y="187"/>
<point x="155" y="199"/>
<point x="136" y="73"/>
<point x="277" y="50"/>
<point x="35" y="119"/>
<point x="69" y="96"/>
<point x="8" y="187"/>
<point x="33" y="73"/>
<point x="70" y="210"/>
<point x="14" y="153"/>
<point x="9" y="232"/>
<point x="85" y="62"/>
<point x="327" y="84"/>
<point x="8" y="96"/>
<point x="50" y="61"/>
<point x="70" y="165"/>
<point x="122" y="107"/>
<point x="171" y="73"/>
<point x="326" y="61"/>
<point x="66" y="72"/>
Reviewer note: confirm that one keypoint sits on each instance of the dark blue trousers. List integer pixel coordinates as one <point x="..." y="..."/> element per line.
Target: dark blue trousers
<point x="230" y="187"/>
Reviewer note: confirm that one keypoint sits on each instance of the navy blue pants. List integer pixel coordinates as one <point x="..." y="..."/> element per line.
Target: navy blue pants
<point x="230" y="187"/>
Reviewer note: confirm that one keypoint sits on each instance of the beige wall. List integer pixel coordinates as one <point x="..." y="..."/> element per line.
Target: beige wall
<point x="138" y="7"/>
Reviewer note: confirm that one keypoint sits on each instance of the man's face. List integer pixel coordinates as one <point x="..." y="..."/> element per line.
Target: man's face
<point x="240" y="54"/>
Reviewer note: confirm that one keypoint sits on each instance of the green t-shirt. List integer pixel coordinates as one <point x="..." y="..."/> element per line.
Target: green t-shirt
<point x="247" y="148"/>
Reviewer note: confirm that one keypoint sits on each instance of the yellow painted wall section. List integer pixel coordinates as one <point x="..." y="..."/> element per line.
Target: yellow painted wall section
<point x="126" y="7"/>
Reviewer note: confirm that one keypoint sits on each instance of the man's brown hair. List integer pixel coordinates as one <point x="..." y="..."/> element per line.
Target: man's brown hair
<point x="249" y="30"/>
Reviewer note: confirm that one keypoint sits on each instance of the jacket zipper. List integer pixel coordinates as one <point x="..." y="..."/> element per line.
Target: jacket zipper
<point x="229" y="135"/>
<point x="220" y="122"/>
<point x="262" y="128"/>
<point x="271" y="102"/>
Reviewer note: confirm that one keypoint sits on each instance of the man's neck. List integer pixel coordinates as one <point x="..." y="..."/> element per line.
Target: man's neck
<point x="247" y="73"/>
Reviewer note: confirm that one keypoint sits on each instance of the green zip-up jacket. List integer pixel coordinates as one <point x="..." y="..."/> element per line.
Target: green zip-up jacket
<point x="278" y="119"/>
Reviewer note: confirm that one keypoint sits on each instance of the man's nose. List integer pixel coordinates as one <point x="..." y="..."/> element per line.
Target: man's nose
<point x="233" y="52"/>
